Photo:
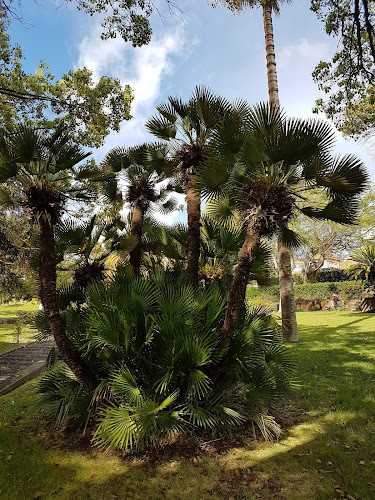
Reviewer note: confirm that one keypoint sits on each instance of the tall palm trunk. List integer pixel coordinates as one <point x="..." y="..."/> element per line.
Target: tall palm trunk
<point x="237" y="291"/>
<point x="136" y="228"/>
<point x="288" y="310"/>
<point x="47" y="274"/>
<point x="193" y="202"/>
<point x="288" y="307"/>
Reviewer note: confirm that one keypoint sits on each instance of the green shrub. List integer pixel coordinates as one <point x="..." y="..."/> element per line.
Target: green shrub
<point x="155" y="346"/>
<point x="347" y="290"/>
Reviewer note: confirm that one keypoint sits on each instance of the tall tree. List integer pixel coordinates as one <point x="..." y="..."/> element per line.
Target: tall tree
<point x="42" y="168"/>
<point x="188" y="127"/>
<point x="276" y="162"/>
<point x="288" y="311"/>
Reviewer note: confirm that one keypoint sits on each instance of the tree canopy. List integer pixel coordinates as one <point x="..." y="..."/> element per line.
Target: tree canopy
<point x="90" y="109"/>
<point x="349" y="77"/>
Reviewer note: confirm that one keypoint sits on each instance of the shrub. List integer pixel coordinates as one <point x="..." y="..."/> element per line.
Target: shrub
<point x="155" y="346"/>
<point x="331" y="275"/>
<point x="347" y="290"/>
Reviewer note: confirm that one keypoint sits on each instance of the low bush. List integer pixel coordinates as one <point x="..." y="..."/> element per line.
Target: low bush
<point x="155" y="346"/>
<point x="347" y="290"/>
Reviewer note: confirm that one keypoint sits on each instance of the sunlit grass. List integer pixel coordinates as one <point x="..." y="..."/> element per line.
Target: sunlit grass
<point x="327" y="444"/>
<point x="8" y="338"/>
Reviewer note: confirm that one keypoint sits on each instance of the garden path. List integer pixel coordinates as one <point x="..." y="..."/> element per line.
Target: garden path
<point x="23" y="364"/>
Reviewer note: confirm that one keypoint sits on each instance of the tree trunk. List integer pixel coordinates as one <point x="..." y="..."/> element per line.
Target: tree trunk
<point x="288" y="310"/>
<point x="288" y="307"/>
<point x="310" y="277"/>
<point x="273" y="90"/>
<point x="136" y="228"/>
<point x="193" y="202"/>
<point x="237" y="291"/>
<point x="48" y="296"/>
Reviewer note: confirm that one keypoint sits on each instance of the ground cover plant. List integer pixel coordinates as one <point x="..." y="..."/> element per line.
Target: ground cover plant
<point x="324" y="453"/>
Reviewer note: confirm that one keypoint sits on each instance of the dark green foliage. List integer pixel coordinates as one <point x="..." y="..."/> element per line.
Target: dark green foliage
<point x="155" y="346"/>
<point x="331" y="275"/>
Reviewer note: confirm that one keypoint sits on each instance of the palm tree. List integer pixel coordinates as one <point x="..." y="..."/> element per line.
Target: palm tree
<point x="364" y="269"/>
<point x="142" y="168"/>
<point x="188" y="128"/>
<point x="288" y="310"/>
<point x="278" y="160"/>
<point x="41" y="167"/>
<point x="91" y="243"/>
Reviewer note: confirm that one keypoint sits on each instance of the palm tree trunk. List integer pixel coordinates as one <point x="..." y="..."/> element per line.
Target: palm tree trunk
<point x="288" y="310"/>
<point x="47" y="274"/>
<point x="136" y="229"/>
<point x="237" y="291"/>
<point x="273" y="89"/>
<point x="193" y="202"/>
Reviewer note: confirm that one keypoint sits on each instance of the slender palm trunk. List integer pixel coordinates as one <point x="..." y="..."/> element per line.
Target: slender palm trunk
<point x="273" y="89"/>
<point x="288" y="310"/>
<point x="237" y="291"/>
<point x="193" y="202"/>
<point x="47" y="274"/>
<point x="136" y="228"/>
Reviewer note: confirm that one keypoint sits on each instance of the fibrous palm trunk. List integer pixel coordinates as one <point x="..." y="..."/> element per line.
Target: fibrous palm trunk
<point x="288" y="311"/>
<point x="136" y="228"/>
<point x="193" y="203"/>
<point x="47" y="274"/>
<point x="237" y="291"/>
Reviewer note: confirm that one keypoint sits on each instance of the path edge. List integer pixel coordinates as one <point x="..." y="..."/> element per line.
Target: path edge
<point x="24" y="375"/>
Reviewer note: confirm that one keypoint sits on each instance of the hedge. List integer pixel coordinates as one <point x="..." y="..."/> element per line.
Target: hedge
<point x="346" y="290"/>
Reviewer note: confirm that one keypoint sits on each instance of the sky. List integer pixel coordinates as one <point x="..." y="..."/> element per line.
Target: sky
<point x="203" y="45"/>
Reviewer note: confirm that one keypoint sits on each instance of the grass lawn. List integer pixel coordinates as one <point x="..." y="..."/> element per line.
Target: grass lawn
<point x="7" y="332"/>
<point x="326" y="450"/>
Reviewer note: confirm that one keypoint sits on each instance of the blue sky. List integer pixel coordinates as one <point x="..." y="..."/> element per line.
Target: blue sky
<point x="208" y="46"/>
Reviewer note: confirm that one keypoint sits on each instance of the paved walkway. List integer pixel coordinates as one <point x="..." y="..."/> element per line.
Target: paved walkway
<point x="23" y="364"/>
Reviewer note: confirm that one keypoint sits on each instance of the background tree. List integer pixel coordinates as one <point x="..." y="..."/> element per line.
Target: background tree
<point x="90" y="110"/>
<point x="349" y="77"/>
<point x="142" y="169"/>
<point x="127" y="18"/>
<point x="42" y="169"/>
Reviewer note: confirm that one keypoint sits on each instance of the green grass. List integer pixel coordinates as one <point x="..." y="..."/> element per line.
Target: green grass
<point x="10" y="310"/>
<point x="327" y="444"/>
<point x="7" y="331"/>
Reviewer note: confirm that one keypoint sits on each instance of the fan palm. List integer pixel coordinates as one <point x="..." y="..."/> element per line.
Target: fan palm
<point x="364" y="269"/>
<point x="91" y="244"/>
<point x="42" y="169"/>
<point x="188" y="127"/>
<point x="276" y="161"/>
<point x="142" y="168"/>
<point x="284" y="258"/>
<point x="153" y="344"/>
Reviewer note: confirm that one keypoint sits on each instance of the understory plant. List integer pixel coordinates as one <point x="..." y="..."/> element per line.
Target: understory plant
<point x="154" y="345"/>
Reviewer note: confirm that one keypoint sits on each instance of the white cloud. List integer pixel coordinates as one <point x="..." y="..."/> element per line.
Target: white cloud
<point x="144" y="69"/>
